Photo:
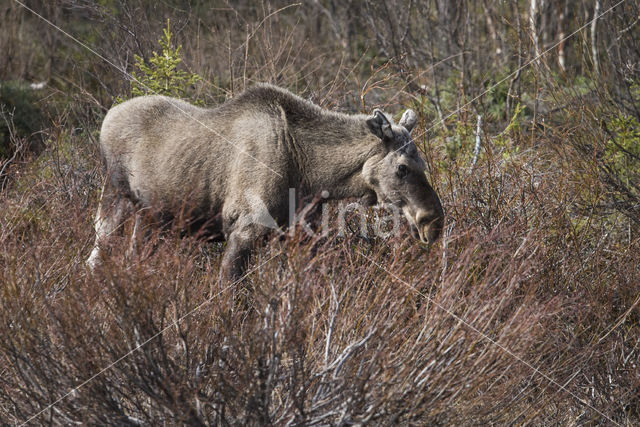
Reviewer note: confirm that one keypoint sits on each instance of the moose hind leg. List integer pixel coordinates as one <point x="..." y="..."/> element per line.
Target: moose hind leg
<point x="108" y="219"/>
<point x="133" y="243"/>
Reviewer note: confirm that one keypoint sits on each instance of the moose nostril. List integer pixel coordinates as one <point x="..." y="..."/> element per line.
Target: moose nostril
<point x="426" y="220"/>
<point x="432" y="226"/>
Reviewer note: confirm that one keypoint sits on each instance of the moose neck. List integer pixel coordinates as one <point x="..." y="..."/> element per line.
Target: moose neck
<point x="334" y="148"/>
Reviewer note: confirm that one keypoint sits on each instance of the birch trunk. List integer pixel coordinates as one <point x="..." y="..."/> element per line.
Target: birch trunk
<point x="533" y="11"/>
<point x="594" y="46"/>
<point x="561" y="35"/>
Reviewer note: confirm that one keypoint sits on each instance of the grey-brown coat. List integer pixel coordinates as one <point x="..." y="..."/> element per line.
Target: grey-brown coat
<point x="164" y="153"/>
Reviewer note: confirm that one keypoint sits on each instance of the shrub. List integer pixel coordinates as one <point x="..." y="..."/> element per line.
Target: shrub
<point x="161" y="76"/>
<point x="622" y="149"/>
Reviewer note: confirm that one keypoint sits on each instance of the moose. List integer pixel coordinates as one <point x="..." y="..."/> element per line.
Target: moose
<point x="162" y="153"/>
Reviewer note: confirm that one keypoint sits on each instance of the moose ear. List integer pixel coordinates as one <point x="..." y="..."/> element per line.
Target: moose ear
<point x="380" y="125"/>
<point x="409" y="120"/>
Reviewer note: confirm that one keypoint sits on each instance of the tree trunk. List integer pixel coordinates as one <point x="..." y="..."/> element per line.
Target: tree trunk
<point x="533" y="12"/>
<point x="562" y="22"/>
<point x="594" y="46"/>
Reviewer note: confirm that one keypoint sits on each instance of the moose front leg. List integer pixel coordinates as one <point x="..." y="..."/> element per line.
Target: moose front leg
<point x="239" y="244"/>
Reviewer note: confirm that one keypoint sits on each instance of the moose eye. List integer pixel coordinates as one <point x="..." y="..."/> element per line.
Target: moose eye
<point x="402" y="171"/>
